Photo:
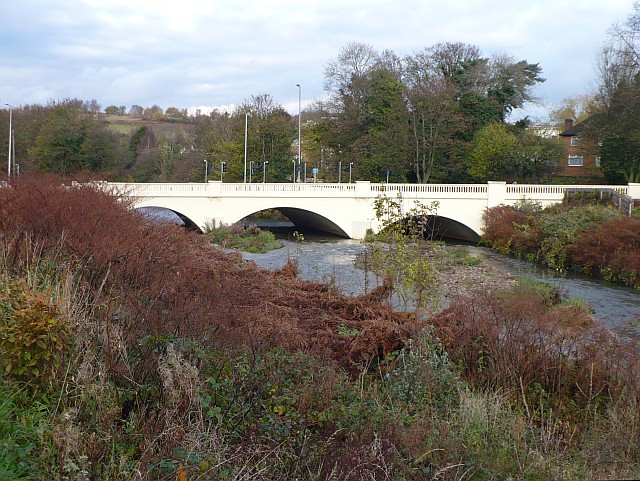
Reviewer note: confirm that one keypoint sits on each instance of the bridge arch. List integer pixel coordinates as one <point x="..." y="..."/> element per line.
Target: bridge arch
<point x="440" y="227"/>
<point x="164" y="214"/>
<point x="444" y="227"/>
<point x="147" y="208"/>
<point x="302" y="218"/>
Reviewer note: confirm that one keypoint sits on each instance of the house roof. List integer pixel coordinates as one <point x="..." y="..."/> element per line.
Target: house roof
<point x="590" y="122"/>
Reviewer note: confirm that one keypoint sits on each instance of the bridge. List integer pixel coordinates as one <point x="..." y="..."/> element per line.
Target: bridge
<point x="343" y="209"/>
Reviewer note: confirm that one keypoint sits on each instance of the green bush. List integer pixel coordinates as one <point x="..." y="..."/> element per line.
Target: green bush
<point x="559" y="230"/>
<point x="251" y="239"/>
<point x="32" y="333"/>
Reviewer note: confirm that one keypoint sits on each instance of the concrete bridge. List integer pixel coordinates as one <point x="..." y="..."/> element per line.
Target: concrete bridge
<point x="343" y="209"/>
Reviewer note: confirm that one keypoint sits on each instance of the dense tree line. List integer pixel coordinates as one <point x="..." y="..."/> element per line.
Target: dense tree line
<point x="417" y="116"/>
<point x="438" y="115"/>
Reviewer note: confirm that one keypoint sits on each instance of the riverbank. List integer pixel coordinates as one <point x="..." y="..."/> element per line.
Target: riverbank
<point x="579" y="235"/>
<point x="159" y="356"/>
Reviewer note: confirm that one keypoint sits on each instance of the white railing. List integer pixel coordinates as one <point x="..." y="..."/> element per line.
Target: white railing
<point x="497" y="191"/>
<point x="528" y="189"/>
<point x="288" y="187"/>
<point x="431" y="188"/>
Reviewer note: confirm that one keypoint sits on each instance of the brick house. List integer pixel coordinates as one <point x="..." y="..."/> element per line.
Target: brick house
<point x="583" y="150"/>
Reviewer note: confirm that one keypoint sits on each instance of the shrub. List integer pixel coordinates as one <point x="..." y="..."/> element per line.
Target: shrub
<point x="525" y="340"/>
<point x="610" y="249"/>
<point x="509" y="231"/>
<point x="559" y="230"/>
<point x="32" y="333"/>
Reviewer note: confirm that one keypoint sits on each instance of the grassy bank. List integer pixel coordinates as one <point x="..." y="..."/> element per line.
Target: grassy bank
<point x="157" y="356"/>
<point x="250" y="239"/>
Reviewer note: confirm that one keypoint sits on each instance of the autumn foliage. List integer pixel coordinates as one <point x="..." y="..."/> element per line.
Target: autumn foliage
<point x="589" y="239"/>
<point x="158" y="279"/>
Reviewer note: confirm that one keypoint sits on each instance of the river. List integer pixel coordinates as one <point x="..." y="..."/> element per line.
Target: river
<point x="330" y="259"/>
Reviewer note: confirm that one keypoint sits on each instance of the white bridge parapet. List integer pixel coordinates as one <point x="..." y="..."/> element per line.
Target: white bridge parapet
<point x="343" y="209"/>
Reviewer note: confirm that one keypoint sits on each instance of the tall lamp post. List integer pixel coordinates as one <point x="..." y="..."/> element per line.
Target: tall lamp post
<point x="206" y="171"/>
<point x="264" y="171"/>
<point x="299" y="137"/>
<point x="246" y="129"/>
<point x="10" y="139"/>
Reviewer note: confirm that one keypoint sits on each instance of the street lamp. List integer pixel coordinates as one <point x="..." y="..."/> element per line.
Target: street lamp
<point x="299" y="137"/>
<point x="264" y="171"/>
<point x="246" y="129"/>
<point x="10" y="138"/>
<point x="206" y="171"/>
<point x="350" y="167"/>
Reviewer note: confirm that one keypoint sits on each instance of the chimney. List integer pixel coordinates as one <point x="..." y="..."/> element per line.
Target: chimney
<point x="568" y="123"/>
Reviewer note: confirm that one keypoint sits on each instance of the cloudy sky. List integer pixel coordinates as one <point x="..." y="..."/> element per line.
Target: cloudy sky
<point x="198" y="53"/>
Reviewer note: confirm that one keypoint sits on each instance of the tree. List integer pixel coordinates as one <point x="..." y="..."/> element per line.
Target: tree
<point x="492" y="156"/>
<point x="417" y="116"/>
<point x="435" y="118"/>
<point x="537" y="156"/>
<point x="619" y="93"/>
<point x="510" y="82"/>
<point x="578" y="108"/>
<point x="270" y="135"/>
<point x="354" y="61"/>
<point x="384" y="145"/>
<point x="501" y="152"/>
<point x="71" y="139"/>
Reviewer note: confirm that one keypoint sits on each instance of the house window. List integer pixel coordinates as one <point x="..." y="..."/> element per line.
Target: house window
<point x="598" y="161"/>
<point x="575" y="141"/>
<point x="575" y="161"/>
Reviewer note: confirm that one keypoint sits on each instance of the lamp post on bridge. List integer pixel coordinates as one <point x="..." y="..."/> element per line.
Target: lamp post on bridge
<point x="10" y="139"/>
<point x="206" y="171"/>
<point x="299" y="130"/>
<point x="246" y="130"/>
<point x="264" y="171"/>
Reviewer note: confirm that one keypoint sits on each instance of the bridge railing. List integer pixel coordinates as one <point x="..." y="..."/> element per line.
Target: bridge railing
<point x="495" y="192"/>
<point x="287" y="187"/>
<point x="529" y="189"/>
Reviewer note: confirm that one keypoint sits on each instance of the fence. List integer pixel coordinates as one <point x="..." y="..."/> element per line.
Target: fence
<point x="618" y="197"/>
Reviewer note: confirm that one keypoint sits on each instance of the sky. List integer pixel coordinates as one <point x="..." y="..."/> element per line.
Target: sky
<point x="218" y="53"/>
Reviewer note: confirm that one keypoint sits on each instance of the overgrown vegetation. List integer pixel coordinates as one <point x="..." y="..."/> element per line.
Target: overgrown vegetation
<point x="398" y="253"/>
<point x="183" y="362"/>
<point x="250" y="238"/>
<point x="581" y="237"/>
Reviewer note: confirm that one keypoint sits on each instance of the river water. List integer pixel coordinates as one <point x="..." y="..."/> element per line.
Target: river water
<point x="324" y="258"/>
<point x="330" y="259"/>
